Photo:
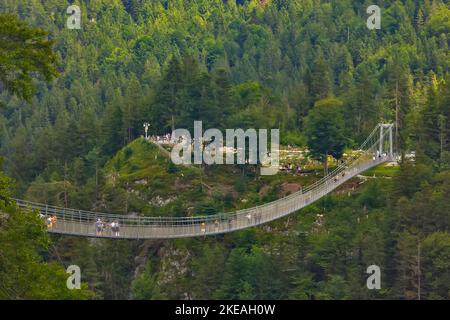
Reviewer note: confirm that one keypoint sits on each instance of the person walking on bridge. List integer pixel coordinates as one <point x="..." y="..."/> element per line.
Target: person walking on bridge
<point x="99" y="227"/>
<point x="54" y="220"/>
<point x="49" y="222"/>
<point x="115" y="228"/>
<point x="216" y="225"/>
<point x="203" y="228"/>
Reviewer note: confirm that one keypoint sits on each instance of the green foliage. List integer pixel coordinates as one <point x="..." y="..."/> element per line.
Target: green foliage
<point x="433" y="133"/>
<point x="436" y="266"/>
<point x="207" y="271"/>
<point x="23" y="273"/>
<point x="24" y="51"/>
<point x="411" y="177"/>
<point x="305" y="287"/>
<point x="247" y="276"/>
<point x="240" y="185"/>
<point x="439" y="22"/>
<point x="325" y="129"/>
<point x="293" y="139"/>
<point x="145" y="286"/>
<point x="171" y="167"/>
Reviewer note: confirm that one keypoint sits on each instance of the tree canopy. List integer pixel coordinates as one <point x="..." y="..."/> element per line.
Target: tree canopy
<point x="325" y="130"/>
<point x="24" y="52"/>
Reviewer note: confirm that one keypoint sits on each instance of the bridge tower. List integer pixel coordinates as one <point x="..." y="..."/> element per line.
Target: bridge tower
<point x="386" y="136"/>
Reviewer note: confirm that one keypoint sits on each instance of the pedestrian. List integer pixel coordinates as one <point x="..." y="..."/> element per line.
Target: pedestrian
<point x="99" y="227"/>
<point x="112" y="225"/>
<point x="54" y="220"/>
<point x="115" y="228"/>
<point x="216" y="225"/>
<point x="203" y="228"/>
<point x="49" y="222"/>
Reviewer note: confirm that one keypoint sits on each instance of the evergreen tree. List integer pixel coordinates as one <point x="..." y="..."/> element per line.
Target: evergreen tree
<point x="34" y="50"/>
<point x="325" y="130"/>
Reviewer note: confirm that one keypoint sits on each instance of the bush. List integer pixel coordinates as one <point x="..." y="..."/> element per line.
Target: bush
<point x="240" y="186"/>
<point x="171" y="167"/>
<point x="293" y="138"/>
<point x="127" y="152"/>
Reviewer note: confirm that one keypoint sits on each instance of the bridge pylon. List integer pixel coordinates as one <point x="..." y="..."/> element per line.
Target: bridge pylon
<point x="386" y="141"/>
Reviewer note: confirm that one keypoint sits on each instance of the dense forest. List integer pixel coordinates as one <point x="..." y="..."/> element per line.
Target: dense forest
<point x="74" y="141"/>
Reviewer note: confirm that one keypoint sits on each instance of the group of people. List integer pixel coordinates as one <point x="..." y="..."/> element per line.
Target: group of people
<point x="337" y="177"/>
<point x="100" y="227"/>
<point x="379" y="155"/>
<point x="216" y="226"/>
<point x="256" y="218"/>
<point x="50" y="220"/>
<point x="165" y="139"/>
<point x="291" y="168"/>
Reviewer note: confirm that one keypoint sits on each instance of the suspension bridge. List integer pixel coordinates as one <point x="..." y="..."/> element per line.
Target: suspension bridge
<point x="376" y="149"/>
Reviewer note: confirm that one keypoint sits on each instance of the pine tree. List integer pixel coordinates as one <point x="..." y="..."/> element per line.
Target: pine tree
<point x="320" y="81"/>
<point x="169" y="98"/>
<point x="35" y="52"/>
<point x="111" y="129"/>
<point x="400" y="92"/>
<point x="325" y="130"/>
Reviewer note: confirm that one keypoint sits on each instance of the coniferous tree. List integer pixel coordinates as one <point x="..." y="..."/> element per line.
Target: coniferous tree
<point x="325" y="130"/>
